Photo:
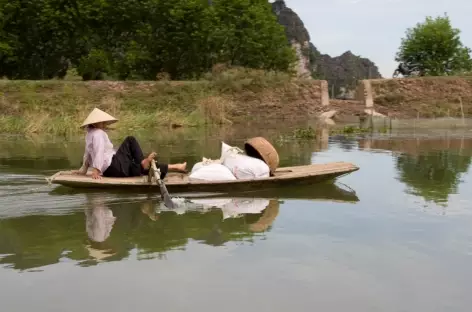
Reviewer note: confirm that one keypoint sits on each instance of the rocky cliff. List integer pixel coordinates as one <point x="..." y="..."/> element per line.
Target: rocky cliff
<point x="341" y="72"/>
<point x="297" y="35"/>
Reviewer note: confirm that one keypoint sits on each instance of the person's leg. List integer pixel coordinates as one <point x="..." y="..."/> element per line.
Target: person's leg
<point x="130" y="147"/>
<point x="115" y="170"/>
<point x="164" y="168"/>
<point x="132" y="150"/>
<point x="178" y="167"/>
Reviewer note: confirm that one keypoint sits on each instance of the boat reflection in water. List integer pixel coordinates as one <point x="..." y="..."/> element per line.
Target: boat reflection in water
<point x="213" y="221"/>
<point x="120" y="227"/>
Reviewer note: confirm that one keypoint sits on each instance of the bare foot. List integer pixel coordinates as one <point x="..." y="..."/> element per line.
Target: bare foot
<point x="182" y="167"/>
<point x="178" y="167"/>
<point x="146" y="163"/>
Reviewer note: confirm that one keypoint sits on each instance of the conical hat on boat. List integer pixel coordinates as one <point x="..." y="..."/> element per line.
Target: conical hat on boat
<point x="259" y="147"/>
<point x="96" y="116"/>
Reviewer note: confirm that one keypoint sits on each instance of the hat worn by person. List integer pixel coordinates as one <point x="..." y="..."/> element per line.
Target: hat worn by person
<point x="97" y="116"/>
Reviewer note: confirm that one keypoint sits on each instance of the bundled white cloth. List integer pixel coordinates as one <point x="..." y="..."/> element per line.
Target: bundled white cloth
<point x="205" y="162"/>
<point x="246" y="167"/>
<point x="243" y="166"/>
<point x="212" y="172"/>
<point x="232" y="165"/>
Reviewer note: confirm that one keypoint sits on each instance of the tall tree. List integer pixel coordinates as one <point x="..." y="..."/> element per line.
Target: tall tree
<point x="250" y="35"/>
<point x="434" y="46"/>
<point x="137" y="39"/>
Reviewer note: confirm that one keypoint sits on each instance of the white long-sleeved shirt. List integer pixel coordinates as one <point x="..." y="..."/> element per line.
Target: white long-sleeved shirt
<point x="98" y="151"/>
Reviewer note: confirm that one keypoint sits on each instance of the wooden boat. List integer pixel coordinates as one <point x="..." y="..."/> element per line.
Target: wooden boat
<point x="180" y="182"/>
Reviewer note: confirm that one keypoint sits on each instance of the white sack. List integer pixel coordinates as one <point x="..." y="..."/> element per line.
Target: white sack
<point x="246" y="167"/>
<point x="227" y="150"/>
<point x="197" y="166"/>
<point x="224" y="149"/>
<point x="205" y="162"/>
<point x="212" y="172"/>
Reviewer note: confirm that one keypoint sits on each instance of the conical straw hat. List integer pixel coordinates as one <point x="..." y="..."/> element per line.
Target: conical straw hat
<point x="98" y="115"/>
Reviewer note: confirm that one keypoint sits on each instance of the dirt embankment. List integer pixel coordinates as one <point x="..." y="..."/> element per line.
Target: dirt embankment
<point x="59" y="106"/>
<point x="423" y="97"/>
<point x="295" y="100"/>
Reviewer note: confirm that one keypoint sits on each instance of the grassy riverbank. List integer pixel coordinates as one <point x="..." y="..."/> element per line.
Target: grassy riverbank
<point x="228" y="96"/>
<point x="58" y="107"/>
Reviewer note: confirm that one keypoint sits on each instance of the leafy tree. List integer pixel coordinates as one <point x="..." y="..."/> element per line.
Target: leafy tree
<point x="94" y="65"/>
<point x="251" y="36"/>
<point x="136" y="39"/>
<point x="39" y="36"/>
<point x="178" y="39"/>
<point x="434" y="47"/>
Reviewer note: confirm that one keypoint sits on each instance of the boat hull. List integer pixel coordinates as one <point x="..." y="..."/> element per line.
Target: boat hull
<point x="179" y="182"/>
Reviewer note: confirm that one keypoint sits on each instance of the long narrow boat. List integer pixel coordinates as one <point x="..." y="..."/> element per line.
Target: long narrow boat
<point x="180" y="182"/>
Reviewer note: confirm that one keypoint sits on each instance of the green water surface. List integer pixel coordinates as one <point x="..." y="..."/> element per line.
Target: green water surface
<point x="394" y="236"/>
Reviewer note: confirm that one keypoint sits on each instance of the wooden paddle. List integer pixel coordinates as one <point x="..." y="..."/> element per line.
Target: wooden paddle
<point x="162" y="187"/>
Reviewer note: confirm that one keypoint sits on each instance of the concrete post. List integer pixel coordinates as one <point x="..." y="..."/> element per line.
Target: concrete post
<point x="364" y="93"/>
<point x="368" y="98"/>
<point x="324" y="93"/>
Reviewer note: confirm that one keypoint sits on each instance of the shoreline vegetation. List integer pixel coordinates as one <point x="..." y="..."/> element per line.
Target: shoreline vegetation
<point x="58" y="106"/>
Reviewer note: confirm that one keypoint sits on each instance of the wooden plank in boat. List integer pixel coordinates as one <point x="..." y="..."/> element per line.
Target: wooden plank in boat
<point x="179" y="182"/>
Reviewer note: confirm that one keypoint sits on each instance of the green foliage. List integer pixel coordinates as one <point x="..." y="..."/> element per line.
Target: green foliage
<point x="307" y="133"/>
<point x="51" y="106"/>
<point x="352" y="130"/>
<point x="434" y="46"/>
<point x="137" y="39"/>
<point x="93" y="65"/>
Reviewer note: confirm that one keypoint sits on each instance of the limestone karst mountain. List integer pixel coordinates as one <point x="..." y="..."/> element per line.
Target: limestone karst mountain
<point x="341" y="72"/>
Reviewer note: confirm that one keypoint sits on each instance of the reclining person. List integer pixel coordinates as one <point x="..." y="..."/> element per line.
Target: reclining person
<point x="127" y="161"/>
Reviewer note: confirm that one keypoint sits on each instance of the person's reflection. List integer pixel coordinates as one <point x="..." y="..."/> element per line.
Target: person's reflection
<point x="99" y="222"/>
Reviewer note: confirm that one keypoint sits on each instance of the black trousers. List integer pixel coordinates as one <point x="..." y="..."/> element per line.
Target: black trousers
<point x="127" y="161"/>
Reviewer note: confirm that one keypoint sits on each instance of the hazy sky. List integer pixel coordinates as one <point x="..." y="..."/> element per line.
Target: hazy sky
<point x="374" y="28"/>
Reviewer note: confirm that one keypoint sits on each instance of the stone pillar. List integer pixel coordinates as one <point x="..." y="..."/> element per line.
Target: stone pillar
<point x="324" y="93"/>
<point x="368" y="99"/>
<point x="364" y="93"/>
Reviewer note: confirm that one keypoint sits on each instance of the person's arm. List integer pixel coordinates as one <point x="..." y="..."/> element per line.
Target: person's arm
<point x="85" y="164"/>
<point x="98" y="157"/>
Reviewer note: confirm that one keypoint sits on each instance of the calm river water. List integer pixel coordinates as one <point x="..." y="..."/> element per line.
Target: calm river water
<point x="394" y="236"/>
